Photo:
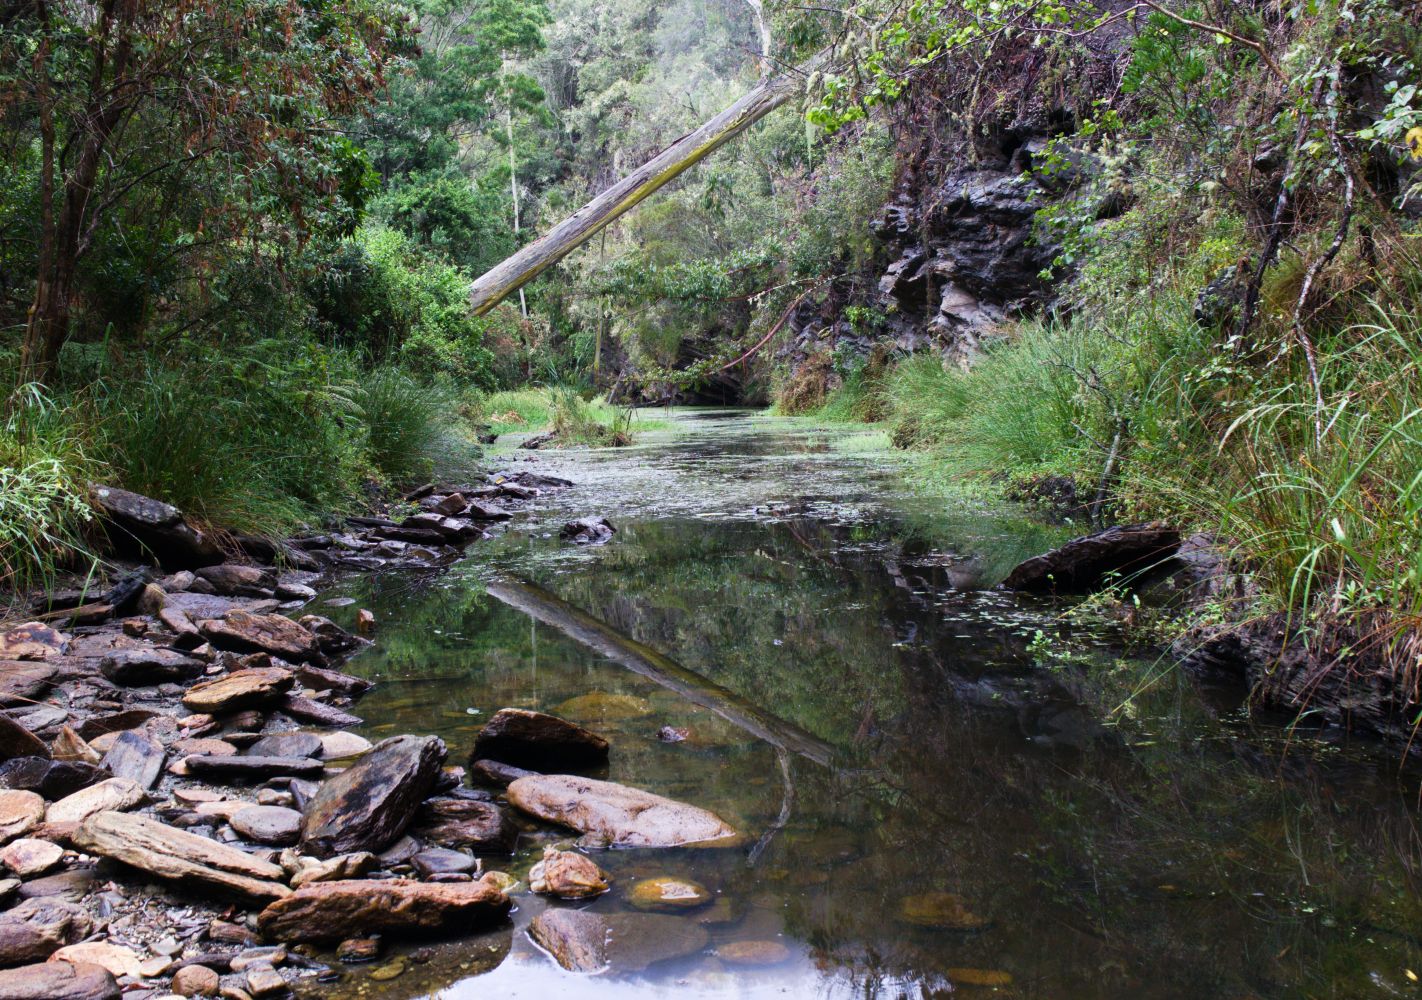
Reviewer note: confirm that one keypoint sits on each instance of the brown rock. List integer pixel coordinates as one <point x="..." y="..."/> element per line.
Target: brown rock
<point x="465" y="823"/>
<point x="120" y="961"/>
<point x="20" y="812"/>
<point x="244" y="632"/>
<point x="196" y="981"/>
<point x="69" y="745"/>
<point x="17" y="741"/>
<point x="542" y="742"/>
<point x="753" y="953"/>
<point x="268" y="824"/>
<point x="31" y="641"/>
<point x="33" y="929"/>
<point x="567" y="875"/>
<point x="668" y="894"/>
<point x="58" y="981"/>
<point x="308" y="710"/>
<point x="28" y="857"/>
<point x="114" y="794"/>
<point x="495" y="773"/>
<point x="359" y="950"/>
<point x="337" y="869"/>
<point x="263" y="982"/>
<point x="178" y="856"/>
<point x="234" y="579"/>
<point x="243" y="689"/>
<point x="368" y="805"/>
<point x="341" y="745"/>
<point x="617" y="815"/>
<point x="116" y="723"/>
<point x="23" y="683"/>
<point x="330" y="911"/>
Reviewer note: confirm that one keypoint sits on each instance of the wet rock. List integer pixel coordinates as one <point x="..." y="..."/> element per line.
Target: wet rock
<point x="477" y="826"/>
<point x="617" y="815"/>
<point x="58" y="981"/>
<point x="114" y="794"/>
<point x="31" y="641"/>
<point x="673" y="734"/>
<point x="542" y="742"/>
<point x="135" y="757"/>
<point x="495" y="773"/>
<point x="1085" y="563"/>
<point x="588" y="531"/>
<point x="986" y="978"/>
<point x="340" y="745"/>
<point x="52" y="779"/>
<point x="22" y="683"/>
<point x="481" y="511"/>
<point x="605" y="707"/>
<point x="251" y="768"/>
<point x="20" y="812"/>
<point x="323" y="679"/>
<point x="242" y="689"/>
<point x="139" y="525"/>
<point x="668" y="894"/>
<point x="196" y="981"/>
<point x="17" y="741"/>
<point x="263" y="982"/>
<point x="567" y="875"/>
<point x="117" y="959"/>
<point x="329" y="911"/>
<point x="367" y="806"/>
<point x="177" y="856"/>
<point x="583" y="941"/>
<point x="29" y="858"/>
<point x="753" y="953"/>
<point x="358" y="950"/>
<point x="242" y="631"/>
<point x="308" y="710"/>
<point x="286" y="745"/>
<point x="235" y="580"/>
<point x="941" y="910"/>
<point x="268" y="824"/>
<point x="32" y="930"/>
<point x="145" y="666"/>
<point x="442" y="861"/>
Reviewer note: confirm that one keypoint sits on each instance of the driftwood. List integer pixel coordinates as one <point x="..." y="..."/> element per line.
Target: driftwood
<point x="548" y="608"/>
<point x="500" y="281"/>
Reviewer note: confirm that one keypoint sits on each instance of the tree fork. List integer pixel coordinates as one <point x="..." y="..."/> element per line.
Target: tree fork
<point x="502" y="280"/>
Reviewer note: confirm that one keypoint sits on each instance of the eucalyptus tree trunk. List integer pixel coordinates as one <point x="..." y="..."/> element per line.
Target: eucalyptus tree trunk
<point x="512" y="274"/>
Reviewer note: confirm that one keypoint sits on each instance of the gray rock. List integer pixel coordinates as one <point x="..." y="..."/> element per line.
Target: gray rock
<point x="145" y="666"/>
<point x="367" y="806"/>
<point x="286" y="745"/>
<point x="274" y="825"/>
<point x="1087" y="562"/>
<point x="52" y="779"/>
<point x="251" y="768"/>
<point x="442" y="861"/>
<point x="136" y="757"/>
<point x="619" y="816"/>
<point x="539" y="741"/>
<point x="139" y="525"/>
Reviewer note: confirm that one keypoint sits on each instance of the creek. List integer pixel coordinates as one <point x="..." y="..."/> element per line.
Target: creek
<point x="1005" y="794"/>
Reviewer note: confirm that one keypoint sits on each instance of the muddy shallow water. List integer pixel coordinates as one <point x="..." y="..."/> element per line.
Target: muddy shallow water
<point x="1110" y="827"/>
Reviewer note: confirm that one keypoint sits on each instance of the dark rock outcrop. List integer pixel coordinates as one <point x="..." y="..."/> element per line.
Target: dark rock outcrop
<point x="539" y="741"/>
<point x="1085" y="563"/>
<point x="138" y="525"/>
<point x="367" y="806"/>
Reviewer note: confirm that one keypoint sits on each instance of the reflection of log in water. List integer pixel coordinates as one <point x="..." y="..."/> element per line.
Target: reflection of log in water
<point x="548" y="608"/>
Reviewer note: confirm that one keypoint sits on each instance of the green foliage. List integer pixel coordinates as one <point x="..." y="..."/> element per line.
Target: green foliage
<point x="414" y="432"/>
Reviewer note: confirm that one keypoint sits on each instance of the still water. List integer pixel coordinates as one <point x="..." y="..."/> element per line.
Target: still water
<point x="1105" y="826"/>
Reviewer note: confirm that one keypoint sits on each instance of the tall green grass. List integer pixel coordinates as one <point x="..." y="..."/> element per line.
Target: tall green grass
<point x="415" y="428"/>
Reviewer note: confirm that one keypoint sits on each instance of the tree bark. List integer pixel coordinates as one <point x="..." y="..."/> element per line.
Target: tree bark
<point x="513" y="273"/>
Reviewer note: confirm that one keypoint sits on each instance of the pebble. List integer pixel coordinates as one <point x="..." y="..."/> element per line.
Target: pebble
<point x="196" y="981"/>
<point x="263" y="981"/>
<point x="359" y="950"/>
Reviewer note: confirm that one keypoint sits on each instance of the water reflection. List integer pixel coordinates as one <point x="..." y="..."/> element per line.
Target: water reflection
<point x="1170" y="849"/>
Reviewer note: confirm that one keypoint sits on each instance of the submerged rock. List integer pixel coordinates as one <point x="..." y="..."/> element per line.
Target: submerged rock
<point x="617" y="815"/>
<point x="605" y="707"/>
<point x="753" y="953"/>
<point x="583" y="941"/>
<point x="941" y="910"/>
<point x="588" y="531"/>
<point x="331" y="911"/>
<point x="668" y="894"/>
<point x="567" y="875"/>
<point x="367" y="806"/>
<point x="1085" y="563"/>
<point x="536" y="740"/>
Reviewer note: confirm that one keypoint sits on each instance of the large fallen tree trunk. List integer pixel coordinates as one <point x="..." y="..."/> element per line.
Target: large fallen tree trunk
<point x="503" y="279"/>
<point x="552" y="610"/>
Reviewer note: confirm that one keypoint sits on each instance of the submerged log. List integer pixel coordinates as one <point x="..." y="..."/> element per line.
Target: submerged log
<point x="504" y="279"/>
<point x="548" y="608"/>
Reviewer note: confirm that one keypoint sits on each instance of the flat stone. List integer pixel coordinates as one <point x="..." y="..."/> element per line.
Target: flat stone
<point x="495" y="773"/>
<point x="268" y="824"/>
<point x="196" y="796"/>
<point x="286" y="745"/>
<point x="38" y="718"/>
<point x="244" y="632"/>
<point x="617" y="815"/>
<point x="245" y="768"/>
<point x="753" y="953"/>
<point x="17" y="741"/>
<point x="114" y="794"/>
<point x="32" y="930"/>
<point x="22" y="683"/>
<point x="940" y="910"/>
<point x="337" y="869"/>
<point x="28" y="857"/>
<point x="118" y="722"/>
<point x="308" y="710"/>
<point x="367" y="806"/>
<point x="263" y="981"/>
<point x="203" y="746"/>
<point x="536" y="740"/>
<point x="242" y="689"/>
<point x="584" y="941"/>
<point x="477" y="826"/>
<point x="181" y="857"/>
<point x="603" y="706"/>
<point x="120" y="961"/>
<point x="567" y="875"/>
<point x="196" y="981"/>
<point x="69" y="886"/>
<point x="330" y="911"/>
<point x="135" y="757"/>
<point x="58" y="981"/>
<point x="439" y="861"/>
<point x="668" y="894"/>
<point x="20" y="812"/>
<point x="343" y="745"/>
<point x="32" y="641"/>
<point x="146" y="666"/>
<point x="177" y="621"/>
<point x="236" y="580"/>
<point x="69" y="745"/>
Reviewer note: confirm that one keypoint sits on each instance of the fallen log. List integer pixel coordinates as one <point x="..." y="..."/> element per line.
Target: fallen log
<point x="505" y="278"/>
<point x="577" y="624"/>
